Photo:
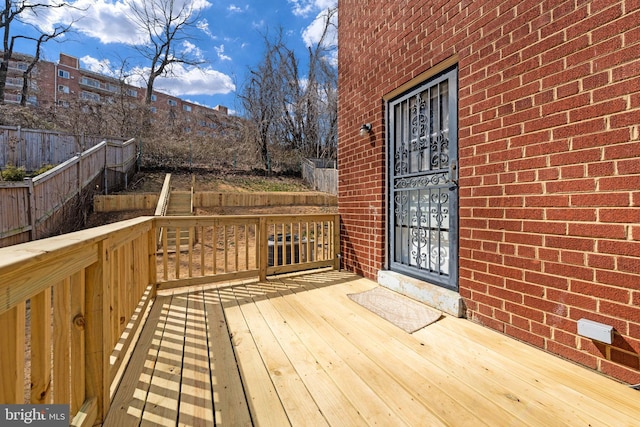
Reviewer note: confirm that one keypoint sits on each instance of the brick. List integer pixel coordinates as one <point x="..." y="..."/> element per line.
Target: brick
<point x="629" y="280"/>
<point x="629" y="167"/>
<point x="545" y="227"/>
<point x="524" y="335"/>
<point x="524" y="288"/>
<point x="601" y="169"/>
<point x="547" y="201"/>
<point x="571" y="299"/>
<point x="546" y="280"/>
<point x="488" y="321"/>
<point x="574" y="258"/>
<point x="601" y="261"/>
<point x="598" y="230"/>
<point x="505" y="294"/>
<point x="629" y="265"/>
<point x="571" y="271"/>
<point x="600" y="139"/>
<point x="622" y="311"/>
<point x="630" y="376"/>
<point x="562" y="337"/>
<point x="573" y="214"/>
<point x="570" y="242"/>
<point x="619" y="247"/>
<point x="625" y="215"/>
<point x="571" y="186"/>
<point x="603" y="199"/>
<point x="573" y="354"/>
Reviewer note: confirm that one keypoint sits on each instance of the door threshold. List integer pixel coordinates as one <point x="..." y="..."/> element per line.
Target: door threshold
<point x="434" y="296"/>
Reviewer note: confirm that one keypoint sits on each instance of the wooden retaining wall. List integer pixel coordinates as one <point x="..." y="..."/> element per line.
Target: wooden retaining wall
<point x="211" y="199"/>
<point x="126" y="202"/>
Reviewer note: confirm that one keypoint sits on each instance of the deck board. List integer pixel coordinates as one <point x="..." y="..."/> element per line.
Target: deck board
<point x="297" y="351"/>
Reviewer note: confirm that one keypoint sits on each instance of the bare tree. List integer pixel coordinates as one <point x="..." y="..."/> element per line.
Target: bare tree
<point x="287" y="112"/>
<point x="26" y="74"/>
<point x="165" y="23"/>
<point x="13" y="10"/>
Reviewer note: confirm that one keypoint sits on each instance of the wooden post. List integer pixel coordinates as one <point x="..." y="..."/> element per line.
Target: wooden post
<point x="61" y="342"/>
<point x="152" y="263"/>
<point x="97" y="330"/>
<point x="77" y="310"/>
<point x="12" y="344"/>
<point x="41" y="347"/>
<point x="263" y="244"/>
<point x="79" y="173"/>
<point x="106" y="170"/>
<point x="336" y="242"/>
<point x="33" y="233"/>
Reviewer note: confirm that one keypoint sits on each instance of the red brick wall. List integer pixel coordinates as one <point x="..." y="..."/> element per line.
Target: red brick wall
<point x="549" y="147"/>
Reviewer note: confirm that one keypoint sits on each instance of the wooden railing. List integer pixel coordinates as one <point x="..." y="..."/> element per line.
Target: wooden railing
<point x="217" y="248"/>
<point x="72" y="305"/>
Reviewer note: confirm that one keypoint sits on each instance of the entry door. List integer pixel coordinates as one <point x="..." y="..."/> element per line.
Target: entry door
<point x="422" y="187"/>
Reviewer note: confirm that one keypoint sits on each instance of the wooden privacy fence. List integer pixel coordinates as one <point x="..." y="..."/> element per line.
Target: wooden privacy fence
<point x="321" y="174"/>
<point x="34" y="148"/>
<point x="34" y="207"/>
<point x="71" y="306"/>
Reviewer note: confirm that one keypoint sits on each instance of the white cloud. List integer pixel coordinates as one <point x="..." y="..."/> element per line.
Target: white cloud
<point x="203" y="25"/>
<point x="221" y="55"/>
<point x="313" y="33"/>
<point x="192" y="81"/>
<point x="106" y="20"/>
<point x="192" y="50"/>
<point x="237" y="9"/>
<point x="102" y="66"/>
<point x="307" y="7"/>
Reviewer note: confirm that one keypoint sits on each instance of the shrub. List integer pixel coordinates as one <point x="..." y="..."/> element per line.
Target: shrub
<point x="42" y="170"/>
<point x="13" y="173"/>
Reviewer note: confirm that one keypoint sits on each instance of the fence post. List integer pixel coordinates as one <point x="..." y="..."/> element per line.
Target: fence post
<point x="106" y="177"/>
<point x="263" y="244"/>
<point x="19" y="148"/>
<point x="98" y="330"/>
<point x="79" y="173"/>
<point x="31" y="200"/>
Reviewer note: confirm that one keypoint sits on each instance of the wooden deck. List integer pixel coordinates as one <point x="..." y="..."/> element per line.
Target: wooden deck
<point x="297" y="351"/>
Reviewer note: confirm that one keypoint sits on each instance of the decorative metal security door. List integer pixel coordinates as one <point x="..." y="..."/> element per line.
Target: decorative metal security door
<point x="423" y="191"/>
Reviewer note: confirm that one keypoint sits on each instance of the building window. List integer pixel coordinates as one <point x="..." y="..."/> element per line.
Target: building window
<point x="172" y="102"/>
<point x="63" y="74"/>
<point x="187" y="108"/>
<point x="63" y="88"/>
<point x="64" y="104"/>
<point x="132" y="92"/>
<point x="90" y="82"/>
<point x="154" y="110"/>
<point x="90" y="96"/>
<point x="112" y="88"/>
<point x="422" y="189"/>
<point x="154" y="98"/>
<point x="14" y="81"/>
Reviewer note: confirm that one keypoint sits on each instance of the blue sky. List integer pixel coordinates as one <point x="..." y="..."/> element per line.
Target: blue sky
<point x="229" y="39"/>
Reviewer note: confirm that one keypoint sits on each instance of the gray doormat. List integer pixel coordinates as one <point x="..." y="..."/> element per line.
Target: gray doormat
<point x="402" y="311"/>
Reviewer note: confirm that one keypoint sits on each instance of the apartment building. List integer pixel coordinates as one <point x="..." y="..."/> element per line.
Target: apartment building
<point x="62" y="83"/>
